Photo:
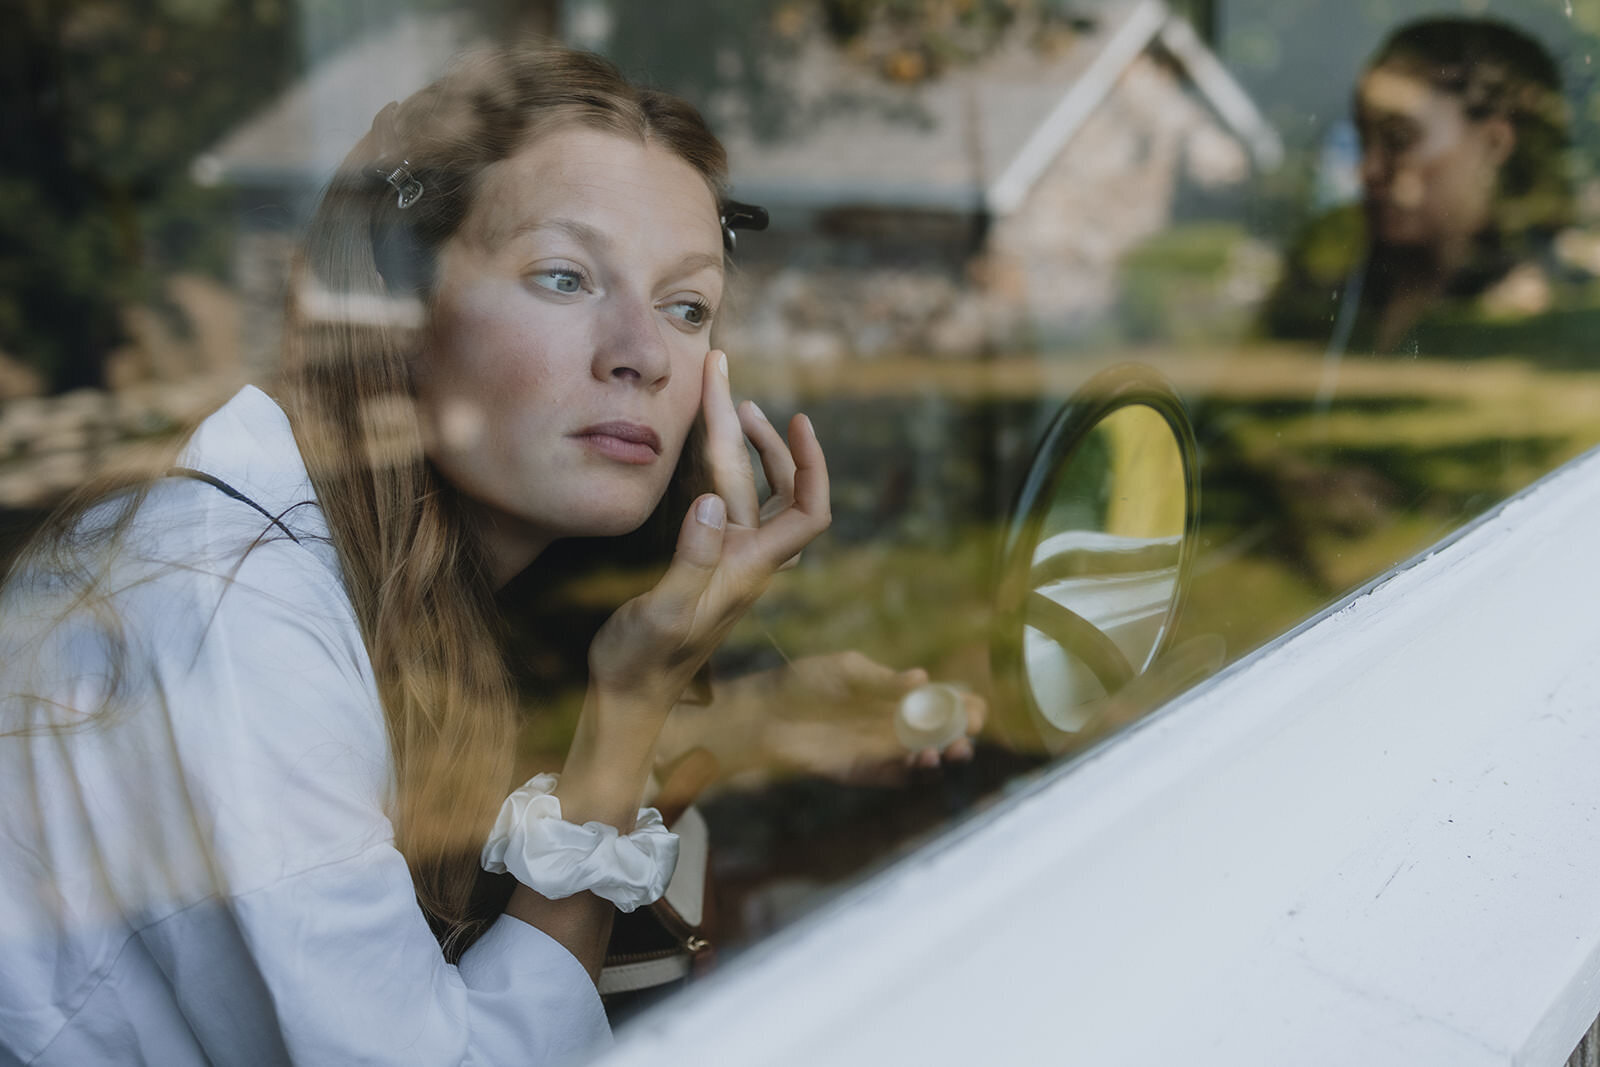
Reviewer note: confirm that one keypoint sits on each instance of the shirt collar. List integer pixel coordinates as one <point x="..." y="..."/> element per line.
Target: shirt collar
<point x="248" y="444"/>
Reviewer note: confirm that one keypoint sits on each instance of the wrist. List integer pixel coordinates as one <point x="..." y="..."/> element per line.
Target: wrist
<point x="608" y="764"/>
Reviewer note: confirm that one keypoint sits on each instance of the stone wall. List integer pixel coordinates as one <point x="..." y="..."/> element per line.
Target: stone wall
<point x="50" y="445"/>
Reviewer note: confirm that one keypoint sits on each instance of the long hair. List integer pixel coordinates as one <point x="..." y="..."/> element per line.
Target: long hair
<point x="412" y="566"/>
<point x="1497" y="70"/>
<point x="411" y="563"/>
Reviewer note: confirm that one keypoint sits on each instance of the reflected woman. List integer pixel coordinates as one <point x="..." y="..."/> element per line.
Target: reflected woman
<point x="1452" y="252"/>
<point x="256" y="732"/>
<point x="1463" y="134"/>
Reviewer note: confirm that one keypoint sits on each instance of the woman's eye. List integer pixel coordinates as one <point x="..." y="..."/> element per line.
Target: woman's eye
<point x="559" y="280"/>
<point x="692" y="312"/>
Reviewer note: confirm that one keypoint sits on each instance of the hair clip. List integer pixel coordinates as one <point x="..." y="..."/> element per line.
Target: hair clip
<point x="408" y="188"/>
<point x="737" y="216"/>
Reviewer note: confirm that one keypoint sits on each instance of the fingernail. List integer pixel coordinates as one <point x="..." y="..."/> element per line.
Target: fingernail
<point x="722" y="363"/>
<point x="711" y="512"/>
<point x="762" y="415"/>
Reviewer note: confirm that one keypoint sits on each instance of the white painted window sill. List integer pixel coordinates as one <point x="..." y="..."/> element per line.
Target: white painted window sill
<point x="1375" y="842"/>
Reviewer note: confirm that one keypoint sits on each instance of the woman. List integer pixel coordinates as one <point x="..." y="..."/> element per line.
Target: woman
<point x="1450" y="254"/>
<point x="257" y="727"/>
<point x="1463" y="134"/>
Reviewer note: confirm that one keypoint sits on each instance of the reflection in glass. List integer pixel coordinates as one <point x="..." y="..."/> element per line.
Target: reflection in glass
<point x="1366" y="371"/>
<point x="1464" y="190"/>
<point x="1105" y="570"/>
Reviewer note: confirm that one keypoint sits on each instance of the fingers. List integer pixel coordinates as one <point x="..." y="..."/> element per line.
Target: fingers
<point x="776" y="462"/>
<point x="974" y="710"/>
<point x="725" y="554"/>
<point x="869" y="678"/>
<point x="695" y="561"/>
<point x="786" y="533"/>
<point x="731" y="474"/>
<point x="977" y="710"/>
<point x="852" y="677"/>
<point x="795" y="469"/>
<point x="811" y="468"/>
<point x="958" y="751"/>
<point x="866" y="678"/>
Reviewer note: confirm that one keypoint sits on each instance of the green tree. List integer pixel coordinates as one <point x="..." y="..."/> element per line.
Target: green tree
<point x="103" y="106"/>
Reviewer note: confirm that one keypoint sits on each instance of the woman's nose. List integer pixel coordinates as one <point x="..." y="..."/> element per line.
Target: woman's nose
<point x="630" y="348"/>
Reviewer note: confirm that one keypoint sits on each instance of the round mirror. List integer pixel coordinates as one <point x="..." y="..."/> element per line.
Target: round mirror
<point x="1095" y="556"/>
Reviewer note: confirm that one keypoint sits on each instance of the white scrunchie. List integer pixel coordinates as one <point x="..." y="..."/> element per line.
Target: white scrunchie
<point x="556" y="859"/>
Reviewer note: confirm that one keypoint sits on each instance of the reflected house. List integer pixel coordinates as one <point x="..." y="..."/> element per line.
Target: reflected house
<point x="986" y="207"/>
<point x="983" y="209"/>
<point x="276" y="163"/>
<point x="990" y="206"/>
<point x="165" y="379"/>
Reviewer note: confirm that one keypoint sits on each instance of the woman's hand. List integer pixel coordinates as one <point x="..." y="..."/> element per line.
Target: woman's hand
<point x="646" y="653"/>
<point x="834" y="716"/>
<point x="830" y="715"/>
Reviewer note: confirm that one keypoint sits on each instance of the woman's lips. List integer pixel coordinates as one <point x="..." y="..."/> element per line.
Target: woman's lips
<point x="626" y="442"/>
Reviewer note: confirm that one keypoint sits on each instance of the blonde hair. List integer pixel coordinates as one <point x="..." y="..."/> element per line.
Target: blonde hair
<point x="412" y="565"/>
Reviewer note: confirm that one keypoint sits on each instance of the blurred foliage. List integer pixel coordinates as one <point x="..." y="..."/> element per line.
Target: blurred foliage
<point x="740" y="49"/>
<point x="1318" y="263"/>
<point x="704" y="49"/>
<point x="103" y="104"/>
<point x="948" y="29"/>
<point x="909" y="40"/>
<point x="1194" y="283"/>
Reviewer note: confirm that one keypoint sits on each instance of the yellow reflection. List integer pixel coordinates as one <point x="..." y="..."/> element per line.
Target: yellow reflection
<point x="1147" y="498"/>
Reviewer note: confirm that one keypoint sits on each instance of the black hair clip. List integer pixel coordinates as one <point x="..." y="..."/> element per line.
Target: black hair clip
<point x="737" y="216"/>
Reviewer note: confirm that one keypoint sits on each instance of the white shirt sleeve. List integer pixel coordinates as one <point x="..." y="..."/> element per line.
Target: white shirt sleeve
<point x="235" y="808"/>
<point x="324" y="901"/>
<point x="336" y="965"/>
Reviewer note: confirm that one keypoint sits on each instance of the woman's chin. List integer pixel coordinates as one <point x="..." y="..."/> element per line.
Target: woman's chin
<point x="609" y="522"/>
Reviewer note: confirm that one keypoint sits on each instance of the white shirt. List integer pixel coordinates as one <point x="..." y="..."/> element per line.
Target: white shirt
<point x="206" y="872"/>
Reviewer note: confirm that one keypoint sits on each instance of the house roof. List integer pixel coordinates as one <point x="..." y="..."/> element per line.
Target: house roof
<point x="300" y="138"/>
<point x="978" y="137"/>
<point x="974" y="139"/>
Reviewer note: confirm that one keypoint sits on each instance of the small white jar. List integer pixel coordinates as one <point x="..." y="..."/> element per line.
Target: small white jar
<point x="931" y="716"/>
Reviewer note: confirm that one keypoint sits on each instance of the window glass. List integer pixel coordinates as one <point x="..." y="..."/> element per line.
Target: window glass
<point x="1360" y="241"/>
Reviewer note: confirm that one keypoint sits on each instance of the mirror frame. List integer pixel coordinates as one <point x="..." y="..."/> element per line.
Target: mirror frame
<point x="1017" y="714"/>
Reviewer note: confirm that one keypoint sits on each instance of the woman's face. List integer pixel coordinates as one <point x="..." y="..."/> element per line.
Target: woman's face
<point x="1429" y="172"/>
<point x="569" y="328"/>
